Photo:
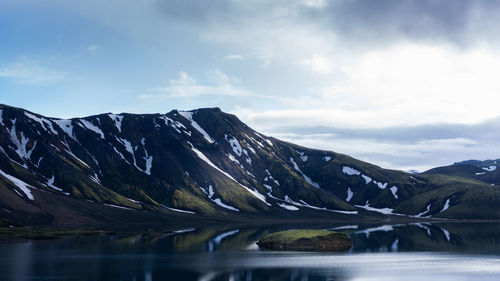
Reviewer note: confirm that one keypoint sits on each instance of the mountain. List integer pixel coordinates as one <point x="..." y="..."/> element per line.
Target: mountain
<point x="204" y="163"/>
<point x="485" y="171"/>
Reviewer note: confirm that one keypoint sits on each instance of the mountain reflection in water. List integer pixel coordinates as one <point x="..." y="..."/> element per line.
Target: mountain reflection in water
<point x="453" y="251"/>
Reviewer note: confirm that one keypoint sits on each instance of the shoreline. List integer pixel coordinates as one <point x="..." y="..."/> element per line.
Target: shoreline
<point x="47" y="232"/>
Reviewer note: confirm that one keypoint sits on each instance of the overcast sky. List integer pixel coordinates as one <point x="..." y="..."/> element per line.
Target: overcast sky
<point x="399" y="83"/>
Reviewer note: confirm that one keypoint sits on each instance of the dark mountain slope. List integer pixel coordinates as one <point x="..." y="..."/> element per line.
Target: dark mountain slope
<point x="201" y="163"/>
<point x="485" y="171"/>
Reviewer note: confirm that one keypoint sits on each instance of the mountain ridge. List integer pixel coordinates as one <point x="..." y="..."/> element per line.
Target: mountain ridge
<point x="202" y="162"/>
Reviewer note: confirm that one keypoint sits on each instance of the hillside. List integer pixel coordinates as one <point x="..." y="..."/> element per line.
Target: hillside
<point x="119" y="168"/>
<point x="485" y="171"/>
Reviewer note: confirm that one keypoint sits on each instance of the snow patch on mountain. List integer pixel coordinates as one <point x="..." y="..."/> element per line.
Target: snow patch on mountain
<point x="254" y="192"/>
<point x="66" y="126"/>
<point x="95" y="178"/>
<point x="210" y="191"/>
<point x="248" y="159"/>
<point x="306" y="178"/>
<point x="19" y="183"/>
<point x="264" y="139"/>
<point x="269" y="188"/>
<point x="288" y="207"/>
<point x="327" y="158"/>
<point x="220" y="203"/>
<point x="235" y="144"/>
<point x="189" y="116"/>
<point x="92" y="127"/>
<point x="350" y="171"/>
<point x="121" y="155"/>
<point x="380" y="185"/>
<point x="128" y="147"/>
<point x="269" y="192"/>
<point x="255" y="141"/>
<point x="76" y="158"/>
<point x="428" y="208"/>
<point x="385" y="211"/>
<point x="176" y="125"/>
<point x="249" y="146"/>
<point x="349" y="194"/>
<point x="210" y="163"/>
<point x="446" y="205"/>
<point x="490" y="168"/>
<point x="21" y="144"/>
<point x="42" y="121"/>
<point x="302" y="156"/>
<point x="270" y="177"/>
<point x="117" y="120"/>
<point x="394" y="189"/>
<point x="50" y="183"/>
<point x="178" y="210"/>
<point x="148" y="158"/>
<point x="232" y="158"/>
<point x="367" y="179"/>
<point x="210" y="194"/>
<point x="302" y="203"/>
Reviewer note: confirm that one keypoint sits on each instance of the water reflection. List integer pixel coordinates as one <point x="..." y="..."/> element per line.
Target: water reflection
<point x="451" y="237"/>
<point x="454" y="251"/>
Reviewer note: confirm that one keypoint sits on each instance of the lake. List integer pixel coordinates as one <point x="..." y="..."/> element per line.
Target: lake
<point x="419" y="251"/>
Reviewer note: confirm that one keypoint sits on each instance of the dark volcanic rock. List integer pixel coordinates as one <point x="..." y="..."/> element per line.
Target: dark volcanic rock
<point x="306" y="240"/>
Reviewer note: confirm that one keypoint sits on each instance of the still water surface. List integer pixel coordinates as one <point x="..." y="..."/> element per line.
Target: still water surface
<point x="386" y="252"/>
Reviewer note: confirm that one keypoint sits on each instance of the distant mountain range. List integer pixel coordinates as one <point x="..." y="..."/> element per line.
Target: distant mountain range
<point x="118" y="168"/>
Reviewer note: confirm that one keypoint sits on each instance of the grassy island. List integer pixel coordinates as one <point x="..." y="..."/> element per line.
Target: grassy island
<point x="306" y="240"/>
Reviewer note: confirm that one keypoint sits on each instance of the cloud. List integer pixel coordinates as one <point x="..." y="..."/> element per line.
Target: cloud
<point x="26" y="71"/>
<point x="186" y="86"/>
<point x="315" y="3"/>
<point x="420" y="155"/>
<point x="234" y="57"/>
<point x="419" y="147"/>
<point x="406" y="85"/>
<point x="265" y="55"/>
<point x="94" y="49"/>
<point x="461" y="22"/>
<point x="318" y="64"/>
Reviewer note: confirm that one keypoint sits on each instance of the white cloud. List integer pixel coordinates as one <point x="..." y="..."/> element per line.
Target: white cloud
<point x="186" y="86"/>
<point x="220" y="78"/>
<point x="234" y="57"/>
<point x="183" y="80"/>
<point x="318" y="64"/>
<point x="417" y="84"/>
<point x="264" y="54"/>
<point x="26" y="71"/>
<point x="406" y="85"/>
<point x="315" y="3"/>
<point x="94" y="49"/>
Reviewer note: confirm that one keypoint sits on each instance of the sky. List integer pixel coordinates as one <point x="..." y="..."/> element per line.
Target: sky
<point x="404" y="84"/>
